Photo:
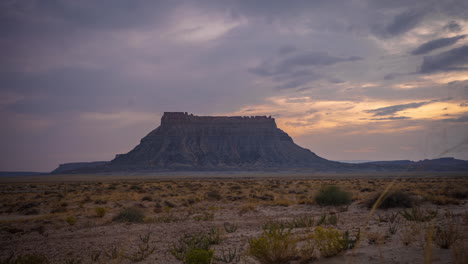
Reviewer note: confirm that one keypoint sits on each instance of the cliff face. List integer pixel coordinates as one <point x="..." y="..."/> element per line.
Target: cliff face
<point x="187" y="141"/>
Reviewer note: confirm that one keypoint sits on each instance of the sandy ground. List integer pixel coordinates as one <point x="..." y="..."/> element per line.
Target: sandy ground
<point x="55" y="216"/>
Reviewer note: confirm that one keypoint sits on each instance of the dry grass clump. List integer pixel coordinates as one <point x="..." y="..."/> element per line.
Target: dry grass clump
<point x="248" y="207"/>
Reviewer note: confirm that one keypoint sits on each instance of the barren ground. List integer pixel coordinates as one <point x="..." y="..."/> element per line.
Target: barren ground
<point x="56" y="217"/>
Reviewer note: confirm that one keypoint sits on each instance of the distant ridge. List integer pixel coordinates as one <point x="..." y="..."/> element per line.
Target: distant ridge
<point x="66" y="167"/>
<point x="21" y="173"/>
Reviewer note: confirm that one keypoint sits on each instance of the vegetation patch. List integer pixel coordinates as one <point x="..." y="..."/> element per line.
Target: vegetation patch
<point x="392" y="200"/>
<point x="275" y="245"/>
<point x="130" y="214"/>
<point x="332" y="195"/>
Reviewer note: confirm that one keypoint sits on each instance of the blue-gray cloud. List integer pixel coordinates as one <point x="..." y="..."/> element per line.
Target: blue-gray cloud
<point x="391" y="118"/>
<point x="436" y="44"/>
<point x="390" y="110"/>
<point x="454" y="59"/>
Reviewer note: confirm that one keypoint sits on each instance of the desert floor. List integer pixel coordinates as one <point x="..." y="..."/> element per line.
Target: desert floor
<point x="75" y="218"/>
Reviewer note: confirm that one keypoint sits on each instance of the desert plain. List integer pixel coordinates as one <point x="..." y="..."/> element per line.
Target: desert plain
<point x="210" y="217"/>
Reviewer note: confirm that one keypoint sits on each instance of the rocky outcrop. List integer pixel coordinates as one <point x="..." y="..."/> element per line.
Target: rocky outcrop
<point x="217" y="142"/>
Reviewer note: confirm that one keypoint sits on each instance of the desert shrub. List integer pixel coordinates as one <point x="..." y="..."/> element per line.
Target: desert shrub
<point x="213" y="195"/>
<point x="144" y="249"/>
<point x="442" y="200"/>
<point x="332" y="195"/>
<point x="375" y="238"/>
<point x="248" y="207"/>
<point x="195" y="248"/>
<point x="229" y="228"/>
<point x="411" y="232"/>
<point x="446" y="235"/>
<point x="25" y="259"/>
<point x="100" y="212"/>
<point x="460" y="254"/>
<point x="274" y="246"/>
<point x="229" y="256"/>
<point x="130" y="214"/>
<point x="392" y="200"/>
<point x="169" y="204"/>
<point x="199" y="256"/>
<point x="418" y="215"/>
<point x="71" y="220"/>
<point x="204" y="216"/>
<point x="302" y="221"/>
<point x="330" y="241"/>
<point x="147" y="198"/>
<point x="326" y="219"/>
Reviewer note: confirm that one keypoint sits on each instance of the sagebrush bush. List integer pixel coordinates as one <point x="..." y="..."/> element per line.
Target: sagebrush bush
<point x="274" y="246"/>
<point x="130" y="214"/>
<point x="392" y="200"/>
<point x="332" y="195"/>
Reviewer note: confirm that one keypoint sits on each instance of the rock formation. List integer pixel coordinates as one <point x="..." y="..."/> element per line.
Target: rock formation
<point x="185" y="141"/>
<point x="188" y="142"/>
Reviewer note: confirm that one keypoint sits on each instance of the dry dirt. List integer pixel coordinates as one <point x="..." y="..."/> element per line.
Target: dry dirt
<point x="55" y="217"/>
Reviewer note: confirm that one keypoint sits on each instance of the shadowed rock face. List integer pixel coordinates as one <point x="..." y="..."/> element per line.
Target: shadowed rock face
<point x="187" y="141"/>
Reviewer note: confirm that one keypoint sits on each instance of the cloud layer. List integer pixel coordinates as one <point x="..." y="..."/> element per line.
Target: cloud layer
<point x="84" y="80"/>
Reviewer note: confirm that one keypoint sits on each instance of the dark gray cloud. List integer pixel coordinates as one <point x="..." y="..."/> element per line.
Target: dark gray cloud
<point x="39" y="17"/>
<point x="453" y="26"/>
<point x="288" y="65"/>
<point x="293" y="71"/>
<point x="312" y="59"/>
<point x="436" y="44"/>
<point x="400" y="24"/>
<point x="454" y="59"/>
<point x="286" y="49"/>
<point x="390" y="110"/>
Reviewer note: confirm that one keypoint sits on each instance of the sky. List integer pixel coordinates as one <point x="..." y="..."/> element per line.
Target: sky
<point x="349" y="80"/>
